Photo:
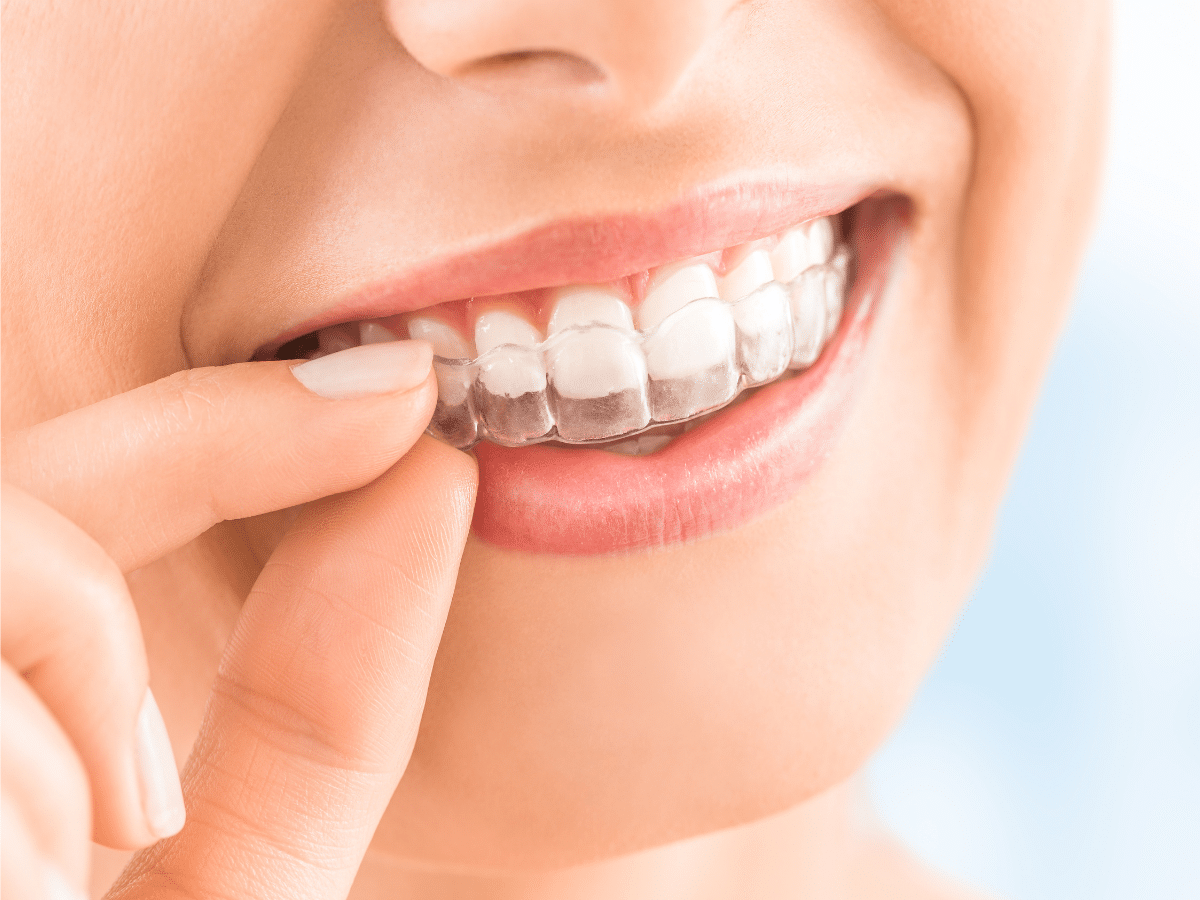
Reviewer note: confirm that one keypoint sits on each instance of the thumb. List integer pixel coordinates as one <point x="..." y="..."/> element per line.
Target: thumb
<point x="317" y="702"/>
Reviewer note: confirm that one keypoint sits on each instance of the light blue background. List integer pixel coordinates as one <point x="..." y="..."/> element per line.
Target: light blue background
<point x="1054" y="751"/>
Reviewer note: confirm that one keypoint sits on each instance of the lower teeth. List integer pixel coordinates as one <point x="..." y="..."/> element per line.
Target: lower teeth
<point x="658" y="438"/>
<point x="641" y="445"/>
<point x="596" y="384"/>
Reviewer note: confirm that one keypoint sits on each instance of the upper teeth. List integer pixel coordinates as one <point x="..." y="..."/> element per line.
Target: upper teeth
<point x="701" y="336"/>
<point x="515" y="369"/>
<point x="810" y="244"/>
<point x="588" y="304"/>
<point x="750" y="273"/>
<point x="445" y="340"/>
<point x="497" y="328"/>
<point x="671" y="289"/>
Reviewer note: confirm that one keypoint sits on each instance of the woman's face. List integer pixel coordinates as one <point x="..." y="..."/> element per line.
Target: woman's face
<point x="640" y="648"/>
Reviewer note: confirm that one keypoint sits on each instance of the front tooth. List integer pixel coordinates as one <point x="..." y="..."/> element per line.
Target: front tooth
<point x="598" y="378"/>
<point x="580" y="305"/>
<point x="446" y="340"/>
<point x="496" y="328"/>
<point x="595" y="363"/>
<point x="512" y="398"/>
<point x="513" y="372"/>
<point x="374" y="333"/>
<point x="746" y="277"/>
<point x="691" y="361"/>
<point x="810" y="244"/>
<point x="672" y="288"/>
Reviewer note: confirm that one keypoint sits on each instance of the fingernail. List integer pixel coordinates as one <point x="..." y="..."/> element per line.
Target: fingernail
<point x="162" y="797"/>
<point x="57" y="887"/>
<point x="366" y="370"/>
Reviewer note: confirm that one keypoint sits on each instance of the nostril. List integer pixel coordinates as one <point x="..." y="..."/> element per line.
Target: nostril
<point x="626" y="56"/>
<point x="537" y="70"/>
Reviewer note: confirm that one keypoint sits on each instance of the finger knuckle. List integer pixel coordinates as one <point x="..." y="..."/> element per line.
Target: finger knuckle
<point x="294" y="730"/>
<point x="188" y="399"/>
<point x="111" y="619"/>
<point x="101" y="639"/>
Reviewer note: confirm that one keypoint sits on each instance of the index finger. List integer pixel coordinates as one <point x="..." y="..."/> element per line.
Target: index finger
<point x="147" y="471"/>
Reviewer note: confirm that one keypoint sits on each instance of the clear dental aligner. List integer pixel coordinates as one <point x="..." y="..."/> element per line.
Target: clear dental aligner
<point x="598" y="382"/>
<point x="608" y="372"/>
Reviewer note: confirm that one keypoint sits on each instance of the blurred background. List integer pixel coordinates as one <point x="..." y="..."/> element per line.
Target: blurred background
<point x="1055" y="749"/>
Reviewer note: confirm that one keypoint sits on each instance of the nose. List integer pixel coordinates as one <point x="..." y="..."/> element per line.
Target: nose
<point x="629" y="52"/>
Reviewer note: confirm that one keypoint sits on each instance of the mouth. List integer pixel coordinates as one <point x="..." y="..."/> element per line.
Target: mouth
<point x="653" y="407"/>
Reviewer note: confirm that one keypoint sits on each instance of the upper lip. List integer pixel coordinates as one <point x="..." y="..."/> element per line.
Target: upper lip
<point x="591" y="250"/>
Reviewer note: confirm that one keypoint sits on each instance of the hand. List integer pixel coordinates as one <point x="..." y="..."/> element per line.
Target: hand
<point x="319" y="694"/>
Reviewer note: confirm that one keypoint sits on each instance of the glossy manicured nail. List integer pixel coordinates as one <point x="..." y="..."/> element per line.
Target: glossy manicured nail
<point x="385" y="368"/>
<point x="162" y="797"/>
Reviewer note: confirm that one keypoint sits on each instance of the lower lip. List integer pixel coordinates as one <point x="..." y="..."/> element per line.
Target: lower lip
<point x="733" y="468"/>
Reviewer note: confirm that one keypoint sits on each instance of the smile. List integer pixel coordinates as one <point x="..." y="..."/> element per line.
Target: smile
<point x="586" y="364"/>
<point x="629" y="412"/>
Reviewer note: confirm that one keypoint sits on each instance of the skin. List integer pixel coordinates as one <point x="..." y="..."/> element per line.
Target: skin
<point x="184" y="183"/>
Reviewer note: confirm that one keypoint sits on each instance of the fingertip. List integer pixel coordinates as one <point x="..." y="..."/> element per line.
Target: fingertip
<point x="158" y="778"/>
<point x="458" y="463"/>
<point x="457" y="469"/>
<point x="367" y="370"/>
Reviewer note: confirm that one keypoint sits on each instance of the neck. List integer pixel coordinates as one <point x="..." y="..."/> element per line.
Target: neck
<point x="818" y="849"/>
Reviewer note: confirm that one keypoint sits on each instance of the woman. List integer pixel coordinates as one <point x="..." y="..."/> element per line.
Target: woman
<point x="222" y="224"/>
